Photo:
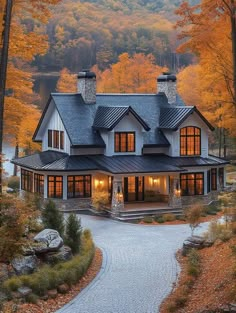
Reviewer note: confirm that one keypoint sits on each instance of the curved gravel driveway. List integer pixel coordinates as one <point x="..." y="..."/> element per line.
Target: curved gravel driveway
<point x="138" y="269"/>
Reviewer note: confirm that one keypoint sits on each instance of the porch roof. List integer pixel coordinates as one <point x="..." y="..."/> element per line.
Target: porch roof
<point x="124" y="164"/>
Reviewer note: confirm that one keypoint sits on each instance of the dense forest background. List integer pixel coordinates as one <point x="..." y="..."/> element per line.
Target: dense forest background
<point x="88" y="32"/>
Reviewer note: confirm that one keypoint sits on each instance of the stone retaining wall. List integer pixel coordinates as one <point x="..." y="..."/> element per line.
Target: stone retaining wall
<point x="204" y="199"/>
<point x="73" y="204"/>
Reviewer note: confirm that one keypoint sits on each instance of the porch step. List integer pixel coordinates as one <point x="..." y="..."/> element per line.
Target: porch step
<point x="139" y="214"/>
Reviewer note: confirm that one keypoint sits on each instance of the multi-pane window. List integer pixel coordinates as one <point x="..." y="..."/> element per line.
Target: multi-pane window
<point x="26" y="180"/>
<point x="124" y="142"/>
<point x="55" y="186"/>
<point x="56" y="139"/>
<point x="190" y="141"/>
<point x="79" y="186"/>
<point x="192" y="184"/>
<point x="39" y="183"/>
<point x="213" y="179"/>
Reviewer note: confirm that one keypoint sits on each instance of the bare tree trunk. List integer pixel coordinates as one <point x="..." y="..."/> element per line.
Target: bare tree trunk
<point x="220" y="141"/>
<point x="16" y="156"/>
<point x="224" y="142"/>
<point x="3" y="71"/>
<point x="233" y="39"/>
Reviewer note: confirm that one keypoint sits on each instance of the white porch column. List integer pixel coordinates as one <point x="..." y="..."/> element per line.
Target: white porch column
<point x="117" y="202"/>
<point x="175" y="200"/>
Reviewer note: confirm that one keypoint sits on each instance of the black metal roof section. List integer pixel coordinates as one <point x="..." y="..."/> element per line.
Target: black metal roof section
<point x="173" y="117"/>
<point x="107" y="118"/>
<point x="156" y="163"/>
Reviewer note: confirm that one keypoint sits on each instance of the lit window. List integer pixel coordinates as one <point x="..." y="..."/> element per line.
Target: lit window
<point x="55" y="186"/>
<point x="124" y="142"/>
<point x="39" y="183"/>
<point x="192" y="184"/>
<point x="79" y="186"/>
<point x="190" y="141"/>
<point x="213" y="179"/>
<point x="26" y="180"/>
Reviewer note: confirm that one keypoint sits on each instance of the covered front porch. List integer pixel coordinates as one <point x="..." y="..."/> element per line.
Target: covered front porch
<point x="143" y="192"/>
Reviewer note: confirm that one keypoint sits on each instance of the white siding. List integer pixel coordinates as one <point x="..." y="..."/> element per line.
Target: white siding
<point x="174" y="136"/>
<point x="127" y="124"/>
<point x="55" y="123"/>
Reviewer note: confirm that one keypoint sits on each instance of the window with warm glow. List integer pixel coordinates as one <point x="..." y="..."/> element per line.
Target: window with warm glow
<point x="55" y="186"/>
<point x="39" y="183"/>
<point x="56" y="139"/>
<point x="190" y="141"/>
<point x="192" y="184"/>
<point x="79" y="186"/>
<point x="26" y="180"/>
<point x="213" y="179"/>
<point x="124" y="142"/>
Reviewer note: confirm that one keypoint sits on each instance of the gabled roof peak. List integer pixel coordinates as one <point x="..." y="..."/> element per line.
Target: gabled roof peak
<point x="108" y="117"/>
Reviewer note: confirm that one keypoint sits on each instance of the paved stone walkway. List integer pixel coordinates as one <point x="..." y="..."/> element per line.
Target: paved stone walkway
<point x="138" y="269"/>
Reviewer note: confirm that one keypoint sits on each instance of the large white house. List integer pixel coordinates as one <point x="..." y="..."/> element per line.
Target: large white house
<point x="137" y="147"/>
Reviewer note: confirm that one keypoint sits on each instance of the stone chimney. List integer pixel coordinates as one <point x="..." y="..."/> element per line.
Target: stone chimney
<point x="87" y="86"/>
<point x="167" y="83"/>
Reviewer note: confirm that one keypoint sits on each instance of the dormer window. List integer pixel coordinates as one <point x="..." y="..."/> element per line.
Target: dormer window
<point x="190" y="141"/>
<point x="125" y="142"/>
<point x="56" y="139"/>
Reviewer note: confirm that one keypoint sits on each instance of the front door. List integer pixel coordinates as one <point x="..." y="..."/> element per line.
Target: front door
<point x="133" y="188"/>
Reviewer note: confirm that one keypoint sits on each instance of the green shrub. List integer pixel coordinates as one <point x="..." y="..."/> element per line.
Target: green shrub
<point x="32" y="298"/>
<point x="169" y="217"/>
<point x="181" y="218"/>
<point x="160" y="219"/>
<point x="193" y="263"/>
<point x="53" y="218"/>
<point x="147" y="219"/>
<point x="14" y="183"/>
<point x="51" y="277"/>
<point x="73" y="233"/>
<point x="12" y="284"/>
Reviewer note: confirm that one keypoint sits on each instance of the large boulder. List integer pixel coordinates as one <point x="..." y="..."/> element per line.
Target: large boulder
<point x="62" y="255"/>
<point x="196" y="242"/>
<point x="25" y="264"/>
<point x="51" y="238"/>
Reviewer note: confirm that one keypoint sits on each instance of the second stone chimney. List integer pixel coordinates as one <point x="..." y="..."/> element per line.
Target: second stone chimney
<point x="87" y="86"/>
<point x="167" y="83"/>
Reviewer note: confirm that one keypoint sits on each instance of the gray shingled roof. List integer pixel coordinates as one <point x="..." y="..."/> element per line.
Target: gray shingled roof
<point x="173" y="117"/>
<point x="78" y="117"/>
<point x="152" y="111"/>
<point x="108" y="117"/>
<point x="124" y="164"/>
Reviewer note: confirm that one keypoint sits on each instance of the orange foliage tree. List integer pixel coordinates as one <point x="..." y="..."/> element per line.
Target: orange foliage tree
<point x="209" y="31"/>
<point x="27" y="39"/>
<point x="136" y="74"/>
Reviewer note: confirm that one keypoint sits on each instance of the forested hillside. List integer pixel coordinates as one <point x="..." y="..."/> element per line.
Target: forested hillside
<point x="84" y="33"/>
